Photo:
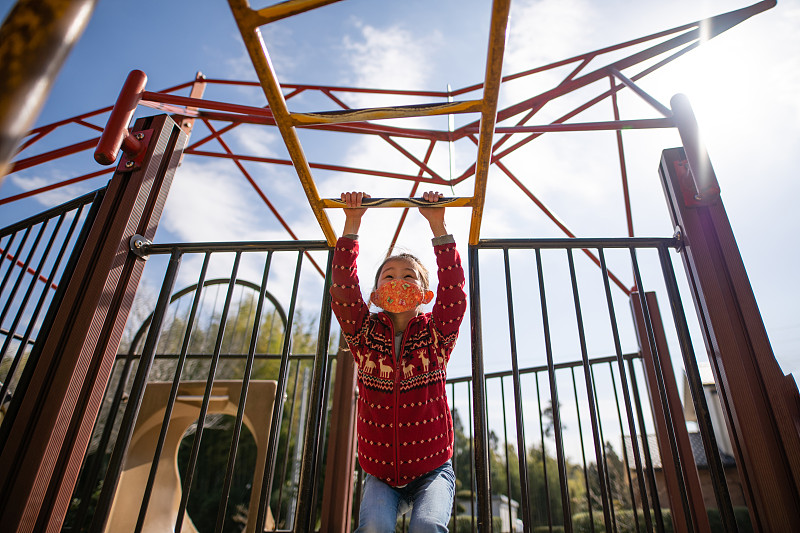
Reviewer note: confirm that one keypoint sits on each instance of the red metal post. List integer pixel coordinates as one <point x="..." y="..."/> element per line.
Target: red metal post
<point x="42" y="456"/>
<point x="759" y="401"/>
<point x="675" y="419"/>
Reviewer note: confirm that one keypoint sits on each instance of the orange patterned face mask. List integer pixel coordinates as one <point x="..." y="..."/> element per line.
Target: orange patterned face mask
<point x="397" y="296"/>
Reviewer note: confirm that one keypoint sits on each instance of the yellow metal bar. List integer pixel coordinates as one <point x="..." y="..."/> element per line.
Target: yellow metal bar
<point x="379" y="113"/>
<point x="272" y="90"/>
<point x="333" y="203"/>
<point x="289" y="8"/>
<point x="491" y="90"/>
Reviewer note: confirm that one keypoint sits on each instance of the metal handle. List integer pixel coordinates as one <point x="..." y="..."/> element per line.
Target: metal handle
<point x="330" y="203"/>
<point x="116" y="135"/>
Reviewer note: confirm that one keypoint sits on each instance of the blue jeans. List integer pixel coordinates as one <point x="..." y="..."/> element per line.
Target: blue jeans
<point x="429" y="497"/>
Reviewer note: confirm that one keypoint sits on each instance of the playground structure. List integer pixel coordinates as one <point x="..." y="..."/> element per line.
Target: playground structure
<point x="761" y="403"/>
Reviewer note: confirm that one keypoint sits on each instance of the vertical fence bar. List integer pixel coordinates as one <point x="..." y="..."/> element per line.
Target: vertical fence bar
<point x="277" y="409"/>
<point x="483" y="479"/>
<point x="626" y="397"/>
<point x="295" y="391"/>
<point x="583" y="450"/>
<point x="315" y="425"/>
<point x="522" y="453"/>
<point x="626" y="461"/>
<point x="37" y="309"/>
<point x="37" y="272"/>
<point x="135" y="398"/>
<point x="338" y="490"/>
<point x="455" y="465"/>
<point x="673" y="445"/>
<point x="648" y="458"/>
<point x="704" y="423"/>
<point x="251" y="352"/>
<point x="604" y="459"/>
<point x="591" y="396"/>
<point x="198" y="436"/>
<point x="173" y="393"/>
<point x="544" y="455"/>
<point x="471" y="441"/>
<point x="505" y="449"/>
<point x="23" y="268"/>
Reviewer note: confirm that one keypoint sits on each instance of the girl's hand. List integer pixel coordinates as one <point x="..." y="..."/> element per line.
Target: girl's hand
<point x="434" y="215"/>
<point x="353" y="212"/>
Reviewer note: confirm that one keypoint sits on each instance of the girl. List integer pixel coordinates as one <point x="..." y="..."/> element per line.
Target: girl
<point x="405" y="432"/>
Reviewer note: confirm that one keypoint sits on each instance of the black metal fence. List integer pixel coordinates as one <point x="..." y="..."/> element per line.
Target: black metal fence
<point x="216" y="414"/>
<point x="35" y="261"/>
<point x="213" y="396"/>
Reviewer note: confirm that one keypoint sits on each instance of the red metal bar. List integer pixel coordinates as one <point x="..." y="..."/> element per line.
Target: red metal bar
<point x="655" y="104"/>
<point x="623" y="170"/>
<point x="645" y="123"/>
<point x="35" y="138"/>
<point x="20" y="264"/>
<point x="410" y="195"/>
<point x="187" y="101"/>
<point x="322" y="166"/>
<point x="53" y="186"/>
<point x="75" y="119"/>
<point x="115" y="135"/>
<point x="32" y="161"/>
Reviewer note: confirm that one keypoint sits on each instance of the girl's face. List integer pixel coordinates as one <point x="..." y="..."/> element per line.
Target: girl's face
<point x="401" y="270"/>
<point x="400" y="287"/>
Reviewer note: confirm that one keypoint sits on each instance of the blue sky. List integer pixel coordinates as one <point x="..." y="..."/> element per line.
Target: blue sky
<point x="743" y="87"/>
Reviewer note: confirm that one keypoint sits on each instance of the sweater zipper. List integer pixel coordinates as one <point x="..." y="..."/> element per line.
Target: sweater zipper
<point x="396" y="406"/>
<point x="396" y="387"/>
<point x="397" y="394"/>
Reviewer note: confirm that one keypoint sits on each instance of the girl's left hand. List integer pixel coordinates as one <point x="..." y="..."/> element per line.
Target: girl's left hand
<point x="434" y="215"/>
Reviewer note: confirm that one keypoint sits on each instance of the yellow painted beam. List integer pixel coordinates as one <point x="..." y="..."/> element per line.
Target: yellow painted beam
<point x="333" y="203"/>
<point x="289" y="8"/>
<point x="277" y="104"/>
<point x="380" y="113"/>
<point x="491" y="91"/>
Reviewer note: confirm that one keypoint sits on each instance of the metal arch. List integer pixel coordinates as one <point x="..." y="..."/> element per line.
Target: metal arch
<point x="191" y="288"/>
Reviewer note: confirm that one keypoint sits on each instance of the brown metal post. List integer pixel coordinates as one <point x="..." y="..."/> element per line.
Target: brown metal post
<point x="35" y="38"/>
<point x="675" y="420"/>
<point x="40" y="462"/>
<point x="759" y="401"/>
<point x="337" y="495"/>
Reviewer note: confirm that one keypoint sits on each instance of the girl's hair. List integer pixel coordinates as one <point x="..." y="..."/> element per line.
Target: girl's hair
<point x="409" y="258"/>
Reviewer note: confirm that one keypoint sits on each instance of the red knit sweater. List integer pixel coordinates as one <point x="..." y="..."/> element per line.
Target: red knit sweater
<point x="404" y="425"/>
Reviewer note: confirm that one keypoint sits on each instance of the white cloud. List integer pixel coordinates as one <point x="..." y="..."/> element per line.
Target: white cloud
<point x="256" y="140"/>
<point x="207" y="202"/>
<point x="391" y="57"/>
